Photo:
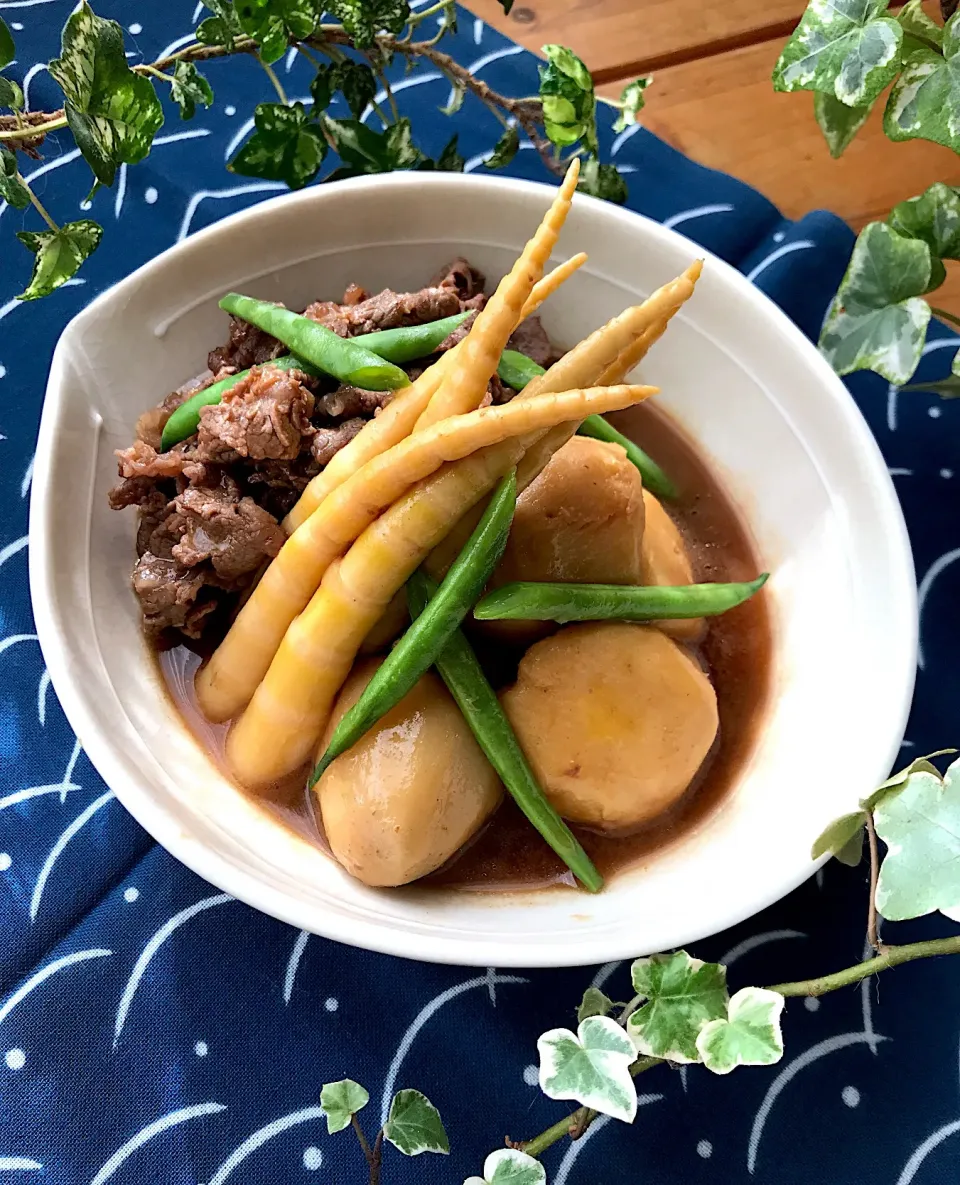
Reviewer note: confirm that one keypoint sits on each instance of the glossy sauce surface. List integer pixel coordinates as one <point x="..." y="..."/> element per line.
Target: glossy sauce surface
<point x="737" y="652"/>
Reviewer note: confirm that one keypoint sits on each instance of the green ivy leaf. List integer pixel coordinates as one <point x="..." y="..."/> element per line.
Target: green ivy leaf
<point x="749" y="1036"/>
<point x="414" y="1125"/>
<point x="838" y="122"/>
<point x="933" y="217"/>
<point x="925" y="101"/>
<point x="591" y="1066"/>
<point x="274" y="23"/>
<point x="594" y="1003"/>
<point x="915" y="21"/>
<point x="401" y="151"/>
<point x="921" y="827"/>
<point x="10" y="94"/>
<point x="896" y="782"/>
<point x="632" y="98"/>
<point x="569" y="103"/>
<point x="602" y="181"/>
<point x="364" y="19"/>
<point x="113" y="113"/>
<point x="450" y="160"/>
<point x="681" y="995"/>
<point x="366" y="151"/>
<point x="876" y="321"/>
<point x="189" y="87"/>
<point x="7" y="50"/>
<point x="340" y="1101"/>
<point x="357" y="82"/>
<point x="12" y="189"/>
<point x="510" y="1166"/>
<point x="505" y="149"/>
<point x="457" y="94"/>
<point x="223" y="28"/>
<point x="948" y="388"/>
<point x="839" y="837"/>
<point x="59" y="254"/>
<point x="845" y="48"/>
<point x="285" y="146"/>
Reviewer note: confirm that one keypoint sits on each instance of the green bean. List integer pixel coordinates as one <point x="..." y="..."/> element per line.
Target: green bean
<point x="186" y="419"/>
<point x="339" y="356"/>
<point x="417" y="650"/>
<point x="409" y="342"/>
<point x="516" y="370"/>
<point x="464" y="677"/>
<point x="654" y="478"/>
<point x="532" y="601"/>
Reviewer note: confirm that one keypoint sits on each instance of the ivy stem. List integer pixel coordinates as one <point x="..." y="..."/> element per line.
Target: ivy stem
<point x="365" y="1147"/>
<point x="38" y="205"/>
<point x="873" y="930"/>
<point x="272" y="75"/>
<point x="944" y="315"/>
<point x="890" y="956"/>
<point x="28" y="130"/>
<point x="143" y="68"/>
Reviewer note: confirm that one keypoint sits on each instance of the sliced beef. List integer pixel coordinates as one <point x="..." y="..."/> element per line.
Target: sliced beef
<point x="455" y="338"/>
<point x="154" y="511"/>
<point x="132" y="491"/>
<point x="168" y="595"/>
<point x="329" y="441"/>
<point x="530" y="338"/>
<point x="462" y="278"/>
<point x="151" y="424"/>
<point x="235" y="535"/>
<point x="276" y="485"/>
<point x="245" y="347"/>
<point x="347" y="402"/>
<point x="265" y="416"/>
<point x="386" y="310"/>
<point x="355" y="294"/>
<point x="141" y="460"/>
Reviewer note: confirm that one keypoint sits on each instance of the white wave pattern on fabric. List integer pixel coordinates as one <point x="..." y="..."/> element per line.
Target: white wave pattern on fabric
<point x="157" y="1128"/>
<point x="19" y="304"/>
<point x="492" y="985"/>
<point x="697" y="212"/>
<point x="14" y="639"/>
<point x="866" y="1006"/>
<point x="13" y="548"/>
<point x="754" y="943"/>
<point x="787" y="1075"/>
<point x="236" y="191"/>
<point x="121" y="191"/>
<point x="158" y="939"/>
<point x="259" y="1138"/>
<point x="294" y="962"/>
<point x="79" y="956"/>
<point x="27" y="479"/>
<point x="425" y="1013"/>
<point x="478" y="31"/>
<point x="605" y="972"/>
<point x="930" y="577"/>
<point x="920" y="1155"/>
<point x="577" y="1146"/>
<point x="404" y="85"/>
<point x="486" y="60"/>
<point x="176" y="137"/>
<point x="623" y="137"/>
<point x="180" y="42"/>
<point x="57" y="850"/>
<point x="60" y="788"/>
<point x="35" y="69"/>
<point x="893" y="391"/>
<point x="42" y="688"/>
<point x="18" y="1164"/>
<point x="786" y="249"/>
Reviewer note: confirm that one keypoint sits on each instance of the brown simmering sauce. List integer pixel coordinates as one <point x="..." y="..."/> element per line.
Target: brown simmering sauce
<point x="737" y="652"/>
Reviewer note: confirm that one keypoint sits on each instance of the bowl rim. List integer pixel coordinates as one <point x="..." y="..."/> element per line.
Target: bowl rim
<point x="377" y="936"/>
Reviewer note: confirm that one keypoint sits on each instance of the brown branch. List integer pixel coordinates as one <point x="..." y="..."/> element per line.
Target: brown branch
<point x="873" y="930"/>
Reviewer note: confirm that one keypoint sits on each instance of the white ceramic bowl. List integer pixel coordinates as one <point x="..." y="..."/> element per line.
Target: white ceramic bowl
<point x="772" y="417"/>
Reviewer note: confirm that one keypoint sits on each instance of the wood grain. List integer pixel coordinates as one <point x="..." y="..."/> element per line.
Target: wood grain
<point x="723" y="112"/>
<point x="620" y="37"/>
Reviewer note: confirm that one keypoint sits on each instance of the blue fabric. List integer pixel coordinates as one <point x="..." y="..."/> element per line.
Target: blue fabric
<point x="198" y="1059"/>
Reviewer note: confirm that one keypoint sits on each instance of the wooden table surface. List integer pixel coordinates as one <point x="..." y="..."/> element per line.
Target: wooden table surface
<point x="712" y="98"/>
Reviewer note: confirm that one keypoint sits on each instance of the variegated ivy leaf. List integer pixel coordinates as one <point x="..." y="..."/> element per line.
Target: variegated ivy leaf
<point x="569" y="103"/>
<point x="591" y="1066"/>
<point x="7" y="50"/>
<point x="681" y="995"/>
<point x="364" y="19"/>
<point x="340" y="1101"/>
<point x="896" y="782"/>
<point x="839" y="838"/>
<point x="632" y="98"/>
<point x="272" y="23"/>
<point x="12" y="189"/>
<point x="510" y="1166"/>
<point x="285" y="146"/>
<point x="189" y="87"/>
<point x="10" y="94"/>
<point x="933" y="217"/>
<point x="921" y="827"/>
<point x="505" y="149"/>
<point x="59" y="254"/>
<point x="749" y="1035"/>
<point x="838" y="122"/>
<point x="594" y="1003"/>
<point x="876" y="321"/>
<point x="414" y="1125"/>
<point x="925" y="101"/>
<point x="602" y="181"/>
<point x="112" y="112"/>
<point x="846" y="48"/>
<point x="222" y="28"/>
<point x="914" y="20"/>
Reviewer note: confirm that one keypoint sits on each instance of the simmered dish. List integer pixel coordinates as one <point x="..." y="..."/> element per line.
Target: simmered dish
<point x="417" y="592"/>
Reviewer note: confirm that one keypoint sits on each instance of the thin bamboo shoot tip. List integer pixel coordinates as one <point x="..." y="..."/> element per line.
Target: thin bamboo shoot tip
<point x="694" y="270"/>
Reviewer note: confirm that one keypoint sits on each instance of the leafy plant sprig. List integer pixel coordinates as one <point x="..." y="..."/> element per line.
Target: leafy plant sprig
<point x="114" y="110"/>
<point x="850" y="53"/>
